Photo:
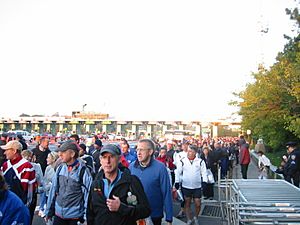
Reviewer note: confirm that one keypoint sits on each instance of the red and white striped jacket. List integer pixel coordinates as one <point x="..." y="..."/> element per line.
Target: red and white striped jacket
<point x="19" y="168"/>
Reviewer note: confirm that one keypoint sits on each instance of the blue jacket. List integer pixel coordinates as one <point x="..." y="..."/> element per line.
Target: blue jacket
<point x="129" y="157"/>
<point x="156" y="183"/>
<point x="13" y="210"/>
<point x="72" y="197"/>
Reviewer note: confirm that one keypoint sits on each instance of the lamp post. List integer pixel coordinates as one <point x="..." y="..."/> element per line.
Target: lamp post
<point x="83" y="107"/>
<point x="249" y="136"/>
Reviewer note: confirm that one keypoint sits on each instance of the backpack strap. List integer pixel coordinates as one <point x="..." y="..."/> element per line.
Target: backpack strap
<point x="81" y="174"/>
<point x="57" y="178"/>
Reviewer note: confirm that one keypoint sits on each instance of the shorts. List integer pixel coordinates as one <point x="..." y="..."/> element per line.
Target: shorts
<point x="191" y="193"/>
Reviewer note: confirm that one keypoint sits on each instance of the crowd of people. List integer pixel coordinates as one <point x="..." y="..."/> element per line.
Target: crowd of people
<point x="109" y="183"/>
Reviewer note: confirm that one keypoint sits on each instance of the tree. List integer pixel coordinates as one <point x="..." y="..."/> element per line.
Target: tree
<point x="270" y="106"/>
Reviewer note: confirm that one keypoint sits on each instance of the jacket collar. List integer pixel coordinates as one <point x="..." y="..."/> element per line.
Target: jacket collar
<point x="137" y="164"/>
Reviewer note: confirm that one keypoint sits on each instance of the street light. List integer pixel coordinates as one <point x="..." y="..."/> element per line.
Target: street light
<point x="83" y="107"/>
<point x="249" y="136"/>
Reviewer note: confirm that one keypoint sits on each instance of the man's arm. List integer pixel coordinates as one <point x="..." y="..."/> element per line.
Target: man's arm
<point x="203" y="171"/>
<point x="87" y="181"/>
<point x="50" y="208"/>
<point x="142" y="209"/>
<point x="167" y="194"/>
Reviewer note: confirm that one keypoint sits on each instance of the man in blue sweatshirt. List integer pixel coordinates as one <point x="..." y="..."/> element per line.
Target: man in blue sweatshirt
<point x="155" y="179"/>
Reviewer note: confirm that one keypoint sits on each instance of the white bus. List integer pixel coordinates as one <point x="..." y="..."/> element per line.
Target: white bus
<point x="178" y="135"/>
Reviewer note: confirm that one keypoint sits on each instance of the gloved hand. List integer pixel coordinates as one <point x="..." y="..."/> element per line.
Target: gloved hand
<point x="176" y="186"/>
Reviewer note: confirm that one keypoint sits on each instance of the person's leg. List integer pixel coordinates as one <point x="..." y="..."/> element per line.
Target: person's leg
<point x="72" y="222"/>
<point x="187" y="208"/>
<point x="197" y="202"/>
<point x="188" y="194"/>
<point x="296" y="180"/>
<point x="58" y="221"/>
<point x="197" y="194"/>
<point x="210" y="190"/>
<point x="156" y="221"/>
<point x="244" y="171"/>
<point x="32" y="206"/>
<point x="173" y="177"/>
<point x="43" y="201"/>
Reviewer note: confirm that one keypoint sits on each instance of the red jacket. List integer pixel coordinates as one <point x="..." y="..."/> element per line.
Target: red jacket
<point x="124" y="161"/>
<point x="244" y="155"/>
<point x="24" y="172"/>
<point x="167" y="161"/>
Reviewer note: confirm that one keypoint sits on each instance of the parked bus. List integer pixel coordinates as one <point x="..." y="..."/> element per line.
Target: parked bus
<point x="178" y="135"/>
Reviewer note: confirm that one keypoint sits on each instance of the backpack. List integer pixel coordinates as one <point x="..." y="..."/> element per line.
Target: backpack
<point x="81" y="173"/>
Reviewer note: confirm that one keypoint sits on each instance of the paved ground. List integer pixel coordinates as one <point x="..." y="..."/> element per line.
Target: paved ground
<point x="203" y="220"/>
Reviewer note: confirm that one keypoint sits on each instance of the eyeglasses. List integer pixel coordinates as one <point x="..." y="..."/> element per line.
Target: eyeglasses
<point x="142" y="149"/>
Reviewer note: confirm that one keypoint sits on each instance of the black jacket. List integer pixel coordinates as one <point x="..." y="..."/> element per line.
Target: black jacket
<point x="41" y="157"/>
<point x="98" y="212"/>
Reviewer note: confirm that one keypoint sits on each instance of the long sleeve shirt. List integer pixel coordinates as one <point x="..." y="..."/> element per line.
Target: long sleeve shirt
<point x="20" y="176"/>
<point x="263" y="161"/>
<point x="191" y="173"/>
<point x="156" y="183"/>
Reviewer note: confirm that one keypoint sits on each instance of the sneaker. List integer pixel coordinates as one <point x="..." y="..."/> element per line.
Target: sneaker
<point x="41" y="213"/>
<point x="196" y="220"/>
<point x="189" y="222"/>
<point x="180" y="214"/>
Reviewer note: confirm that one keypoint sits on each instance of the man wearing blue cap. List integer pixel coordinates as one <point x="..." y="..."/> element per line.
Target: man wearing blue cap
<point x="292" y="167"/>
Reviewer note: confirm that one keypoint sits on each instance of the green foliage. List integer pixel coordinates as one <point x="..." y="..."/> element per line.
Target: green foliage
<point x="275" y="157"/>
<point x="270" y="106"/>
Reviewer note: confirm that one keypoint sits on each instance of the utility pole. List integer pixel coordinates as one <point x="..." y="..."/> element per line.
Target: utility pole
<point x="83" y="107"/>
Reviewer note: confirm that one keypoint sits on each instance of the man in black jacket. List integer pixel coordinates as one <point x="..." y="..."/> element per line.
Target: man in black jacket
<point x="116" y="197"/>
<point x="41" y="152"/>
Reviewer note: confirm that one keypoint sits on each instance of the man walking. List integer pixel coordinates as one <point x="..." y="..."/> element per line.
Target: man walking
<point x="19" y="174"/>
<point x="155" y="179"/>
<point x="68" y="196"/>
<point x="41" y="152"/>
<point x="116" y="197"/>
<point x="244" y="159"/>
<point x="191" y="169"/>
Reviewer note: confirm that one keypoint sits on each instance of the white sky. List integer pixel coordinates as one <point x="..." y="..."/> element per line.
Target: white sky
<point x="158" y="59"/>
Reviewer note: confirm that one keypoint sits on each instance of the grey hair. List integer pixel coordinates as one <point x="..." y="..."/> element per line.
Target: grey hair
<point x="149" y="142"/>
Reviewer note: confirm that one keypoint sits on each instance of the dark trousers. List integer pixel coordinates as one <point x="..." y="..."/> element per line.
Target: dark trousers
<point x="32" y="206"/>
<point x="59" y="221"/>
<point x="156" y="221"/>
<point x="244" y="169"/>
<point x="295" y="179"/>
<point x="208" y="190"/>
<point x="173" y="177"/>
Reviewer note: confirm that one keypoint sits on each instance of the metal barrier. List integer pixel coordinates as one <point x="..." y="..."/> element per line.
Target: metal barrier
<point x="256" y="201"/>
